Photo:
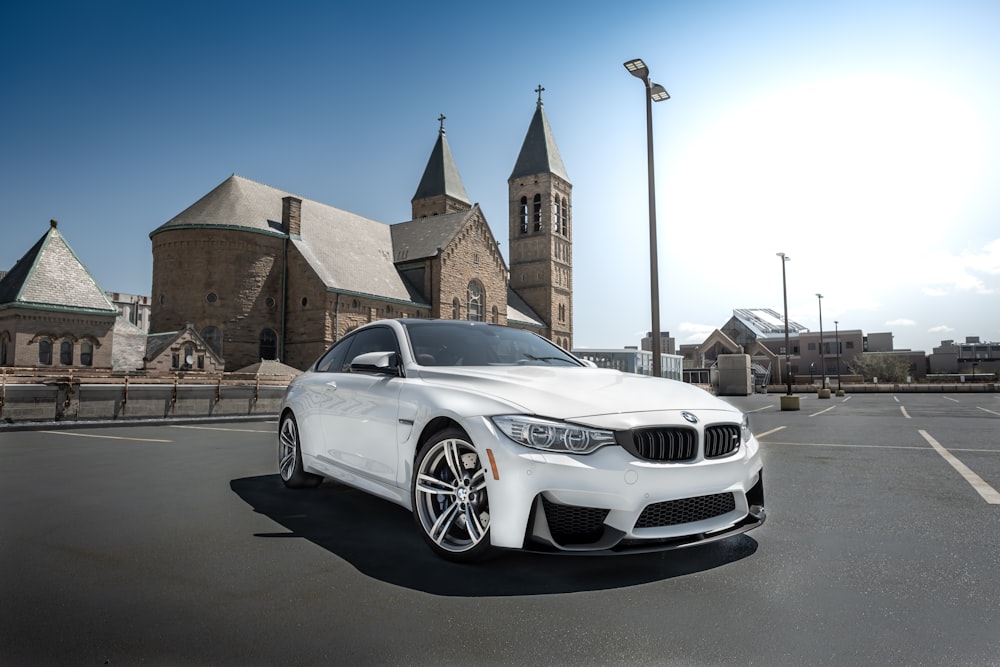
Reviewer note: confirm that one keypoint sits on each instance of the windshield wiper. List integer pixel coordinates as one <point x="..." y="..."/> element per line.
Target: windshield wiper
<point x="548" y="359"/>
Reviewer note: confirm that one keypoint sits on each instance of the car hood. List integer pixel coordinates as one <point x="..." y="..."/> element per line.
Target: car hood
<point x="575" y="393"/>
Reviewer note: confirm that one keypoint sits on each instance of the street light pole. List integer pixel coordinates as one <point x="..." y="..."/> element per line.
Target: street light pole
<point x="822" y="357"/>
<point x="654" y="93"/>
<point x="784" y="292"/>
<point x="836" y="329"/>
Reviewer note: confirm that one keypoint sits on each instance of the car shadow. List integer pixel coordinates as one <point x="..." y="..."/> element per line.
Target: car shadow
<point x="381" y="540"/>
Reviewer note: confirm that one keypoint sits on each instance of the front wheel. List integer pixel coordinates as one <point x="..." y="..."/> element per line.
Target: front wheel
<point x="290" y="457"/>
<point x="450" y="504"/>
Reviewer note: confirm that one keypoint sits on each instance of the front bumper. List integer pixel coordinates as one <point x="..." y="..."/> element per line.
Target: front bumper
<point x="611" y="502"/>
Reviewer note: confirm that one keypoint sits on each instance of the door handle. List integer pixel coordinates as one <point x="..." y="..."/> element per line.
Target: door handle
<point x="332" y="383"/>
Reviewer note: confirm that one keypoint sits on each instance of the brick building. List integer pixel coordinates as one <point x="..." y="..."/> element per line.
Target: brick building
<point x="52" y="313"/>
<point x="260" y="273"/>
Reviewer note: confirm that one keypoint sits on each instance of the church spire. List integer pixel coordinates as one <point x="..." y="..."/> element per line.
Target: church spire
<point x="539" y="153"/>
<point x="440" y="190"/>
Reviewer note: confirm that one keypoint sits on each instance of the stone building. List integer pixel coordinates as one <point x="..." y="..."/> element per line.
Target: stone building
<point x="260" y="273"/>
<point x="52" y="313"/>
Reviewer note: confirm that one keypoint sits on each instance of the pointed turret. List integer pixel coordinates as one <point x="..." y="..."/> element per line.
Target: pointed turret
<point x="539" y="153"/>
<point x="440" y="190"/>
<point x="50" y="276"/>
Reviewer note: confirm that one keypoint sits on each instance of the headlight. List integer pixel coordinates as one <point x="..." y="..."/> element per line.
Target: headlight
<point x="553" y="436"/>
<point x="745" y="429"/>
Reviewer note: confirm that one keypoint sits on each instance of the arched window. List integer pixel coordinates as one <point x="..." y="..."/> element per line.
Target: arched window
<point x="475" y="297"/>
<point x="456" y="309"/>
<point x="86" y="353"/>
<point x="66" y="353"/>
<point x="565" y="217"/>
<point x="524" y="215"/>
<point x="538" y="212"/>
<point x="5" y="359"/>
<point x="45" y="352"/>
<point x="268" y="344"/>
<point x="213" y="338"/>
<point x="556" y="216"/>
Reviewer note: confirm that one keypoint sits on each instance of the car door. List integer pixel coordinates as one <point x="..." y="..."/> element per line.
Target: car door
<point x="360" y="420"/>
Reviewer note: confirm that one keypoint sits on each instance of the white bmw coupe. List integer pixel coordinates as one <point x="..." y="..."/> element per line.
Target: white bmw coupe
<point x="496" y="438"/>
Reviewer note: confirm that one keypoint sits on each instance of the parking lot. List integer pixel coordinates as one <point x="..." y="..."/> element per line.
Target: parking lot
<point x="178" y="545"/>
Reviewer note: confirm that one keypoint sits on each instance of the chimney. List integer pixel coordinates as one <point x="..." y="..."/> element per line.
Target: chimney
<point x="291" y="215"/>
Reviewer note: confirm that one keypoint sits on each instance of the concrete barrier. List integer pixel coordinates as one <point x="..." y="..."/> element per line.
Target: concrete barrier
<point x="68" y="400"/>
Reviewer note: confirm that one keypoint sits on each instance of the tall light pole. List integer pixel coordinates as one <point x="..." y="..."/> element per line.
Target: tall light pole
<point x="654" y="93"/>
<point x="822" y="357"/>
<point x="836" y="330"/>
<point x="784" y="292"/>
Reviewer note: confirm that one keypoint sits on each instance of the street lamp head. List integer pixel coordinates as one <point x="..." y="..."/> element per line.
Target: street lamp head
<point x="819" y="295"/>
<point x="637" y="68"/>
<point x="657" y="93"/>
<point x="783" y="256"/>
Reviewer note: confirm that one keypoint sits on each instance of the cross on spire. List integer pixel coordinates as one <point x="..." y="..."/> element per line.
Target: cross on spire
<point x="539" y="91"/>
<point x="441" y="120"/>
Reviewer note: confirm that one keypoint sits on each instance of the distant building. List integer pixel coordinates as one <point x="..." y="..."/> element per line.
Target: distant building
<point x="134" y="308"/>
<point x="667" y="343"/>
<point x="632" y="360"/>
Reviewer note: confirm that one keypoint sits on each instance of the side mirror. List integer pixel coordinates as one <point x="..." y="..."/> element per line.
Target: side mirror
<point x="382" y="363"/>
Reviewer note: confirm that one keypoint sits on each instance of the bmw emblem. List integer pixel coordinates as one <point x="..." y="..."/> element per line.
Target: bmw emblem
<point x="689" y="417"/>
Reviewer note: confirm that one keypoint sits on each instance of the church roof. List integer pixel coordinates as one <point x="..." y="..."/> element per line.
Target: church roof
<point x="51" y="276"/>
<point x="519" y="311"/>
<point x="539" y="153"/>
<point x="441" y="175"/>
<point x="347" y="251"/>
<point x="424" y="237"/>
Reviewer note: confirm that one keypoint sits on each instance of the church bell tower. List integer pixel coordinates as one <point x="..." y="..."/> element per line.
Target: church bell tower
<point x="541" y="230"/>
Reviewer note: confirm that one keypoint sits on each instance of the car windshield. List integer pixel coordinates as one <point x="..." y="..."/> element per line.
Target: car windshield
<point x="475" y="344"/>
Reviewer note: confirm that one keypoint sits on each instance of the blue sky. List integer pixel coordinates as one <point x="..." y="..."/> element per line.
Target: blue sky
<point x="860" y="138"/>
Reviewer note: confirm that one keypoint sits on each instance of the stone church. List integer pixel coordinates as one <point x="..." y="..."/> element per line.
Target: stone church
<point x="259" y="273"/>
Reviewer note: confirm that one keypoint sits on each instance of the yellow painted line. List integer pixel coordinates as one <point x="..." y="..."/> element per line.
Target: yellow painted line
<point x="989" y="411"/>
<point x="104" y="437"/>
<point x="767" y="433"/>
<point x="988" y="493"/>
<point x="219" y="428"/>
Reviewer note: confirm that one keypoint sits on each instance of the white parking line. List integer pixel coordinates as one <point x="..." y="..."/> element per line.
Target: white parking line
<point x="104" y="437"/>
<point x="767" y="433"/>
<point x="766" y="407"/>
<point x="988" y="493"/>
<point x="219" y="428"/>
<point x="822" y="411"/>
<point x="905" y="413"/>
<point x="949" y="398"/>
<point x="989" y="411"/>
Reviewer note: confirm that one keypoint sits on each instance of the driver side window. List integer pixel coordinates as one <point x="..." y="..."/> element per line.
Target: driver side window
<point x="335" y="358"/>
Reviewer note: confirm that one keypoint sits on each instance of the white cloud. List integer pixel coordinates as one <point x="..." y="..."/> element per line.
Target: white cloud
<point x="934" y="291"/>
<point x="942" y="328"/>
<point x="695" y="333"/>
<point x="901" y="322"/>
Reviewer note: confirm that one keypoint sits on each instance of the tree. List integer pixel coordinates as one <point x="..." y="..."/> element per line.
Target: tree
<point x="885" y="367"/>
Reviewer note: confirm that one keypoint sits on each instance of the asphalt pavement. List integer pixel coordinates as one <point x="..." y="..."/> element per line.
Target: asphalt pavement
<point x="178" y="545"/>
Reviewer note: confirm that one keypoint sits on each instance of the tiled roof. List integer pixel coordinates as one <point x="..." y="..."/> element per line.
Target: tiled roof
<point x="423" y="237"/>
<point x="347" y="251"/>
<point x="51" y="276"/>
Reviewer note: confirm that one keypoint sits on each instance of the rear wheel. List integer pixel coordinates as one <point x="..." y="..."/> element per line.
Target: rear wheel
<point x="450" y="504"/>
<point x="290" y="457"/>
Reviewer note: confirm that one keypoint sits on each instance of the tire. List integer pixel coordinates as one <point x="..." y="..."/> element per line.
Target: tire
<point x="450" y="503"/>
<point x="290" y="457"/>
